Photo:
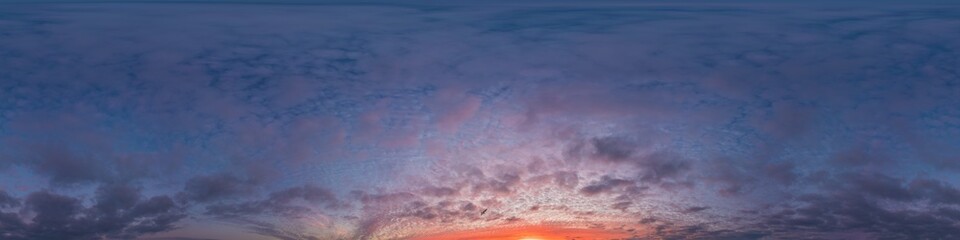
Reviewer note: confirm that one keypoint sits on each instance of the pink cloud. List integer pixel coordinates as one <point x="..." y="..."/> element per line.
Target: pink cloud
<point x="453" y="108"/>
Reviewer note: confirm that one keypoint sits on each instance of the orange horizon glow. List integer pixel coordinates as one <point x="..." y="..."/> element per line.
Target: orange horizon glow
<point x="528" y="233"/>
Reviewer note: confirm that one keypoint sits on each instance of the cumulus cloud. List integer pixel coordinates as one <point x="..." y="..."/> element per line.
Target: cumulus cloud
<point x="118" y="212"/>
<point x="8" y="201"/>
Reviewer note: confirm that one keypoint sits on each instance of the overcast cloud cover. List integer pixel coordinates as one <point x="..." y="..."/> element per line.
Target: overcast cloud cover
<point x="404" y="120"/>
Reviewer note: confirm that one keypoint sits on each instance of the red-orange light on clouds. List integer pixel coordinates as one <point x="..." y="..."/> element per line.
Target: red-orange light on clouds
<point x="529" y="233"/>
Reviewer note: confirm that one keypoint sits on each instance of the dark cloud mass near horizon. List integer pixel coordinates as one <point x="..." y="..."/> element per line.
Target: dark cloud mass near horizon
<point x="405" y="120"/>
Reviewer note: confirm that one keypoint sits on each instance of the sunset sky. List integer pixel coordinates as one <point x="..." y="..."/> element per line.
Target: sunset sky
<point x="184" y="120"/>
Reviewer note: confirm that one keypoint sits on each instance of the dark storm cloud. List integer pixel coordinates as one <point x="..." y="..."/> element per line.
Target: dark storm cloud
<point x="660" y="168"/>
<point x="612" y="148"/>
<point x="853" y="208"/>
<point x="8" y="201"/>
<point x="669" y="231"/>
<point x="935" y="191"/>
<point x="881" y="186"/>
<point x="694" y="209"/>
<point x="852" y="213"/>
<point x="118" y="212"/>
<point x="114" y="197"/>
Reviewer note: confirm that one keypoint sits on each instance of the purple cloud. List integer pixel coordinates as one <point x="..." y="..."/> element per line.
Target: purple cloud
<point x="408" y="119"/>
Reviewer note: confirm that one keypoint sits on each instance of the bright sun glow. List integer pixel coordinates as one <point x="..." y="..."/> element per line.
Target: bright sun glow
<point x="546" y="232"/>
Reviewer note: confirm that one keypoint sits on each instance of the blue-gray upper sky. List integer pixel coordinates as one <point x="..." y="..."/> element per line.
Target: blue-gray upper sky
<point x="406" y="120"/>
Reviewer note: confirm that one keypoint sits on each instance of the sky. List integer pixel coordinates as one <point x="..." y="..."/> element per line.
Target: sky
<point x="535" y="120"/>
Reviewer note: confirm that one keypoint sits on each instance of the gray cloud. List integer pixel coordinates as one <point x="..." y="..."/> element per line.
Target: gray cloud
<point x="118" y="212"/>
<point x="280" y="203"/>
<point x="606" y="185"/>
<point x="215" y="187"/>
<point x="8" y="201"/>
<point x="827" y="122"/>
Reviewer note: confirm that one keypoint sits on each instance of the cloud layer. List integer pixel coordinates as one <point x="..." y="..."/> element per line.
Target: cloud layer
<point x="407" y="120"/>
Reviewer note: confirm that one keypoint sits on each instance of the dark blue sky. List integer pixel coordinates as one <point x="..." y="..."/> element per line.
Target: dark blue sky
<point x="404" y="120"/>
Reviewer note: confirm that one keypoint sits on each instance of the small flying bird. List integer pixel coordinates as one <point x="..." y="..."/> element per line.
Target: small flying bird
<point x="482" y="212"/>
